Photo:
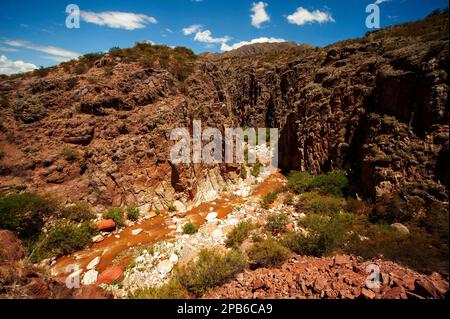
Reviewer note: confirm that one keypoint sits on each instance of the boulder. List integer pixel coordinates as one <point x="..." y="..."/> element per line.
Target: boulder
<point x="401" y="228"/>
<point x="165" y="266"/>
<point x="109" y="275"/>
<point x="106" y="225"/>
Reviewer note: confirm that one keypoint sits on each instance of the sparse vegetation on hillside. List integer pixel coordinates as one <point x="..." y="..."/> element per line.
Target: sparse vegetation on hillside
<point x="133" y="213"/>
<point x="331" y="183"/>
<point x="239" y="233"/>
<point x="77" y="212"/>
<point x="268" y="253"/>
<point x="189" y="228"/>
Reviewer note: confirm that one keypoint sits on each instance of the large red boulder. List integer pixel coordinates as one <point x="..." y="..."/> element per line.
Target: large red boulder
<point x="106" y="225"/>
<point x="109" y="275"/>
<point x="11" y="248"/>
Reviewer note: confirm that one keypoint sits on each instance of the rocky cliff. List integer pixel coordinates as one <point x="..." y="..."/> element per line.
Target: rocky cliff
<point x="375" y="106"/>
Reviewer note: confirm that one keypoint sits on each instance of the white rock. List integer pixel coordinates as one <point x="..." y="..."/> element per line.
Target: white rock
<point x="140" y="259"/>
<point x="94" y="262"/>
<point x="90" y="277"/>
<point x="217" y="234"/>
<point x="165" y="266"/>
<point x="233" y="221"/>
<point x="129" y="223"/>
<point x="173" y="258"/>
<point x="117" y="236"/>
<point x="302" y="216"/>
<point x="98" y="238"/>
<point x="401" y="228"/>
<point x="136" y="231"/>
<point x="211" y="217"/>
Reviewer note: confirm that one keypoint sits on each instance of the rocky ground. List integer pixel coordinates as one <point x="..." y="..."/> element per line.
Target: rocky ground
<point x="338" y="277"/>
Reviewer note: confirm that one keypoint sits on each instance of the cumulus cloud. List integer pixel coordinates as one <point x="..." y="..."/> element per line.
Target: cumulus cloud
<point x="226" y="47"/>
<point x="303" y="16"/>
<point x="9" y="67"/>
<point x="191" y="29"/>
<point x="206" y="37"/>
<point x="259" y="15"/>
<point x="118" y="20"/>
<point x="57" y="54"/>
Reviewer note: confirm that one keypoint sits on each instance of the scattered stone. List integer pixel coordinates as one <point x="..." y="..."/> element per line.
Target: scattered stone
<point x="165" y="266"/>
<point x="135" y="232"/>
<point x="97" y="238"/>
<point x="93" y="263"/>
<point x="211" y="217"/>
<point x="90" y="277"/>
<point x="109" y="275"/>
<point x="106" y="225"/>
<point x="173" y="258"/>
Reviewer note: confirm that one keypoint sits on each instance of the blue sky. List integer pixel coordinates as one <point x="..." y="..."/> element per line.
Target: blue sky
<point x="33" y="33"/>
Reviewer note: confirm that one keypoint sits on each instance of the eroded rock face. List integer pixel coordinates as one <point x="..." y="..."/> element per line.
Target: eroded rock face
<point x="376" y="107"/>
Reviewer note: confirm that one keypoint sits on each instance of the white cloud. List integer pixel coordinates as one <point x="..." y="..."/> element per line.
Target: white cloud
<point x="226" y="47"/>
<point x="9" y="67"/>
<point x="191" y="29"/>
<point x="259" y="15"/>
<point x="303" y="16"/>
<point x="206" y="37"/>
<point x="56" y="53"/>
<point x="5" y="49"/>
<point x="118" y="20"/>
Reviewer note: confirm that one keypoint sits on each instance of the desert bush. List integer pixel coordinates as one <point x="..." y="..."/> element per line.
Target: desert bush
<point x="171" y="207"/>
<point x="170" y="290"/>
<point x="239" y="233"/>
<point x="317" y="203"/>
<point x="325" y="235"/>
<point x="210" y="269"/>
<point x="255" y="169"/>
<point x="390" y="208"/>
<point x="42" y="72"/>
<point x="419" y="250"/>
<point x="332" y="183"/>
<point x="117" y="214"/>
<point x="69" y="154"/>
<point x="270" y="198"/>
<point x="189" y="228"/>
<point x="277" y="223"/>
<point x="268" y="253"/>
<point x="133" y="213"/>
<point x="289" y="200"/>
<point x="77" y="212"/>
<point x="62" y="238"/>
<point x="24" y="213"/>
<point x="243" y="172"/>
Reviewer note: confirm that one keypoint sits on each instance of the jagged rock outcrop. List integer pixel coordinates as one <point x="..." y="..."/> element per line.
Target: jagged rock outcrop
<point x="375" y="106"/>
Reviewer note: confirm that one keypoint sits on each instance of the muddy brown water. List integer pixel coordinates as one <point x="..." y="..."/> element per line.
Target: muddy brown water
<point x="114" y="250"/>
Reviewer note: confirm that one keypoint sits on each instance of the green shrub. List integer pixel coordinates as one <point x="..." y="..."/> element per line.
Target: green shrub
<point x="62" y="238"/>
<point x="239" y="233"/>
<point x="289" y="200"/>
<point x="268" y="253"/>
<point x="189" y="228"/>
<point x="157" y="212"/>
<point x="133" y="213"/>
<point x="24" y="214"/>
<point x="171" y="207"/>
<point x="210" y="269"/>
<point x="325" y="234"/>
<point x="171" y="290"/>
<point x="277" y="223"/>
<point x="255" y="169"/>
<point x="270" y="198"/>
<point x="117" y="214"/>
<point x="69" y="154"/>
<point x="317" y="203"/>
<point x="77" y="212"/>
<point x="243" y="172"/>
<point x="332" y="183"/>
